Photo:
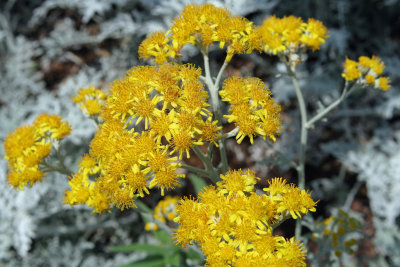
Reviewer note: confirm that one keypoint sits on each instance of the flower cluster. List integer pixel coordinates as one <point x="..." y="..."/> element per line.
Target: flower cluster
<point x="253" y="110"/>
<point x="152" y="113"/>
<point x="163" y="212"/>
<point x="28" y="146"/>
<point x="286" y="35"/>
<point x="337" y="231"/>
<point x="366" y="72"/>
<point x="203" y="25"/>
<point x="90" y="100"/>
<point x="233" y="225"/>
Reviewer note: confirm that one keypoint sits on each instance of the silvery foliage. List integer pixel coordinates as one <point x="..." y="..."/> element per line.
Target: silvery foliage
<point x="377" y="165"/>
<point x="87" y="9"/>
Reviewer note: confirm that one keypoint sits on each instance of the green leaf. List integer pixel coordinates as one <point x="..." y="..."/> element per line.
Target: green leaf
<point x="138" y="247"/>
<point x="151" y="261"/>
<point x="194" y="255"/>
<point x="173" y="259"/>
<point x="163" y="237"/>
<point x="143" y="206"/>
<point x="197" y="182"/>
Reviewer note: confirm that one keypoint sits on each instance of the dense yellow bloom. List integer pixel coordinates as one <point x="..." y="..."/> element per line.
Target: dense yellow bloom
<point x="90" y="100"/>
<point x="232" y="224"/>
<point x="383" y="83"/>
<point x="253" y="110"/>
<point x="366" y="72"/>
<point x="296" y="202"/>
<point x="202" y="25"/>
<point x="197" y="24"/>
<point x="234" y="182"/>
<point x="210" y="131"/>
<point x="288" y="34"/>
<point x="28" y="146"/>
<point x="314" y="34"/>
<point x="351" y="71"/>
<point x="150" y="119"/>
<point x="51" y="126"/>
<point x="156" y="46"/>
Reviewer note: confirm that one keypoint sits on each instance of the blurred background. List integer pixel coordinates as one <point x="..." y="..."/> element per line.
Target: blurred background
<point x="49" y="49"/>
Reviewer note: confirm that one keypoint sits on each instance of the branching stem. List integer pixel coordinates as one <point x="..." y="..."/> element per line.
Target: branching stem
<point x="213" y="89"/>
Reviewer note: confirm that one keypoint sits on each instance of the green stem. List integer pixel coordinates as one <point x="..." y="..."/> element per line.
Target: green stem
<point x="303" y="139"/>
<point x="346" y="92"/>
<point x="352" y="194"/>
<point x="200" y="172"/>
<point x="52" y="168"/>
<point x="230" y="134"/>
<point x="281" y="220"/>
<point x="304" y="132"/>
<point x="211" y="172"/>
<point x="221" y="71"/>
<point x="213" y="89"/>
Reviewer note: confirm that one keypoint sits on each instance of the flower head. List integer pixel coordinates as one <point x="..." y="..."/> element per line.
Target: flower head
<point x="90" y="100"/>
<point x="366" y="72"/>
<point x="253" y="110"/>
<point x="232" y="225"/>
<point x="28" y="146"/>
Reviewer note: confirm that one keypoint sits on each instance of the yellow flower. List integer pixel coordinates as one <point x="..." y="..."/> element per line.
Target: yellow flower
<point x="166" y="179"/>
<point x="277" y="186"/>
<point x="161" y="126"/>
<point x="351" y="71"/>
<point x="370" y="79"/>
<point x="237" y="183"/>
<point x="292" y="253"/>
<point x="144" y="108"/>
<point x="314" y="34"/>
<point x="280" y="34"/>
<point x="52" y="126"/>
<point x="156" y="46"/>
<point x="384" y="83"/>
<point x="197" y="24"/>
<point x="366" y="72"/>
<point x="182" y="140"/>
<point x="210" y="131"/>
<point x="296" y="202"/>
<point x="253" y="110"/>
<point x="79" y="192"/>
<point x="90" y="99"/>
<point x="374" y="63"/>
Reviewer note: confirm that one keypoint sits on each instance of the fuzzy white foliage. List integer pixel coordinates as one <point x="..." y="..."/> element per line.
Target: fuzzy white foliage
<point x="377" y="164"/>
<point x="120" y="26"/>
<point x="16" y="219"/>
<point x="88" y="8"/>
